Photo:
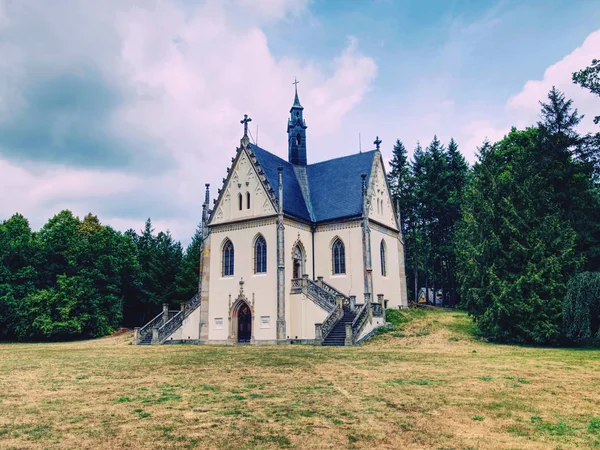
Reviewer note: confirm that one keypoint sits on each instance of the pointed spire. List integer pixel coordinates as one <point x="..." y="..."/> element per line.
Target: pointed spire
<point x="296" y="100"/>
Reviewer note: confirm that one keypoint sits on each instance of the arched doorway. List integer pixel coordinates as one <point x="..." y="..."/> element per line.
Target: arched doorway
<point x="244" y="319"/>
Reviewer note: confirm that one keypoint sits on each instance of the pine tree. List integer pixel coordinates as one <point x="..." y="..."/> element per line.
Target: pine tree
<point x="589" y="78"/>
<point x="515" y="251"/>
<point x="187" y="280"/>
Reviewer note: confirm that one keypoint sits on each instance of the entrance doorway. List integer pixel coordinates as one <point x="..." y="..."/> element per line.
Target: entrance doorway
<point x="244" y="323"/>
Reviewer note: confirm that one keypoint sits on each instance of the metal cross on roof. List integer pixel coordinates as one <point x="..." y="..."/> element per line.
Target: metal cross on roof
<point x="245" y="121"/>
<point x="295" y="83"/>
<point x="377" y="142"/>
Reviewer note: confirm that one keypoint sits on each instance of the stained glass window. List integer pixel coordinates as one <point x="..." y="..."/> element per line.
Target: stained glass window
<point x="339" y="257"/>
<point x="382" y="255"/>
<point x="260" y="255"/>
<point x="228" y="259"/>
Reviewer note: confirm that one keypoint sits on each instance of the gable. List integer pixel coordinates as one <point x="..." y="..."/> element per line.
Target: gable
<point x="293" y="199"/>
<point x="381" y="208"/>
<point x="243" y="183"/>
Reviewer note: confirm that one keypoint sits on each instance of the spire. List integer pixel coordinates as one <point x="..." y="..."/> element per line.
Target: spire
<point x="296" y="100"/>
<point x="205" y="210"/>
<point x="296" y="130"/>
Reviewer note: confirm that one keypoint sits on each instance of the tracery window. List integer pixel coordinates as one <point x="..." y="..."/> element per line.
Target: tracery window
<point x="339" y="257"/>
<point x="382" y="256"/>
<point x="260" y="255"/>
<point x="228" y="259"/>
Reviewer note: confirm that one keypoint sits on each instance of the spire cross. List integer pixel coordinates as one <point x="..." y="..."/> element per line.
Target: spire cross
<point x="245" y="121"/>
<point x="295" y="83"/>
<point x="377" y="142"/>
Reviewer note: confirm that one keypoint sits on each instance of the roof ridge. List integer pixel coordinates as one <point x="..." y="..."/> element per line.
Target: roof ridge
<point x="342" y="157"/>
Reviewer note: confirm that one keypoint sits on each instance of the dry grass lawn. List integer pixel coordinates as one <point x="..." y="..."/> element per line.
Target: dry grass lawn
<point x="428" y="384"/>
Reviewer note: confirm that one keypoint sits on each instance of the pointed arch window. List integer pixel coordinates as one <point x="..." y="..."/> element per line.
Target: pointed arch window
<point x="228" y="259"/>
<point x="298" y="262"/>
<point x="383" y="259"/>
<point x="298" y="139"/>
<point x="247" y="200"/>
<point x="339" y="257"/>
<point x="240" y="201"/>
<point x="260" y="255"/>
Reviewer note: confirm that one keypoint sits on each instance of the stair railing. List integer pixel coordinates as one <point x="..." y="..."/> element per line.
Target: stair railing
<point x="175" y="322"/>
<point x="316" y="293"/>
<point x="377" y="309"/>
<point x="147" y="329"/>
<point x="330" y="321"/>
<point x="360" y="321"/>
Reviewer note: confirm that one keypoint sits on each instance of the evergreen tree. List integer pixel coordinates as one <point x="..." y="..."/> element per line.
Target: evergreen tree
<point x="589" y="78"/>
<point x="187" y="279"/>
<point x="515" y="251"/>
<point x="567" y="168"/>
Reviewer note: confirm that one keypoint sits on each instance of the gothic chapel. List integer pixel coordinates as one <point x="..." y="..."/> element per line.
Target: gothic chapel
<point x="293" y="252"/>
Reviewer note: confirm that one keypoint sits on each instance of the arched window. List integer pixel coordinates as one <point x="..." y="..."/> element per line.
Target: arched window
<point x="382" y="255"/>
<point x="298" y="262"/>
<point x="240" y="202"/>
<point x="247" y="200"/>
<point x="298" y="139"/>
<point x="260" y="255"/>
<point x="339" y="257"/>
<point x="228" y="259"/>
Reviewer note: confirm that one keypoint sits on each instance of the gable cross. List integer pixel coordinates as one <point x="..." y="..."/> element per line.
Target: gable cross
<point x="377" y="142"/>
<point x="245" y="121"/>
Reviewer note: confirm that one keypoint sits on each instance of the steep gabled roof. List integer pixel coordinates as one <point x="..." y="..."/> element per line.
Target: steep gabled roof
<point x="334" y="185"/>
<point x="293" y="201"/>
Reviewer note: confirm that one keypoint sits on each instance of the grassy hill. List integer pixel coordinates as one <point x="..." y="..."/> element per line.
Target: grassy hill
<point x="426" y="383"/>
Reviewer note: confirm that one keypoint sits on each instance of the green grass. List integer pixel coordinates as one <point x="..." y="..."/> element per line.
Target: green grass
<point x="389" y="393"/>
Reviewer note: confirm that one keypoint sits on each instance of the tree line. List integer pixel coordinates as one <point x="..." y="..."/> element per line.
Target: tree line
<point x="77" y="278"/>
<point x="514" y="239"/>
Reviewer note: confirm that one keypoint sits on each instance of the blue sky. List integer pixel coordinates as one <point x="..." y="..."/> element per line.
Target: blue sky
<point x="125" y="108"/>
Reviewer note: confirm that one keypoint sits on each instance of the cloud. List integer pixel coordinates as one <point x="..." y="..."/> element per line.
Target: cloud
<point x="523" y="108"/>
<point x="524" y="105"/>
<point x="127" y="108"/>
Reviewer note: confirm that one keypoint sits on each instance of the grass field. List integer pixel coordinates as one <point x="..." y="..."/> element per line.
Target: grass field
<point x="427" y="384"/>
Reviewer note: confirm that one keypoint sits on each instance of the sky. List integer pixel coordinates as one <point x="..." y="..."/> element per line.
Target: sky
<point x="126" y="108"/>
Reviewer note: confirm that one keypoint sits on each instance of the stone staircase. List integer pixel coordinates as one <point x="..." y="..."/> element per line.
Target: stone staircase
<point x="342" y="310"/>
<point x="146" y="340"/>
<point x="337" y="335"/>
<point x="165" y="324"/>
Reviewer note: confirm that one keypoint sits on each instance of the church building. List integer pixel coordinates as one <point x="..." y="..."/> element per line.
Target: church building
<point x="293" y="252"/>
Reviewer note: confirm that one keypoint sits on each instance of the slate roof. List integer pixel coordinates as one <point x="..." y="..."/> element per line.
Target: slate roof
<point x="293" y="201"/>
<point x="334" y="185"/>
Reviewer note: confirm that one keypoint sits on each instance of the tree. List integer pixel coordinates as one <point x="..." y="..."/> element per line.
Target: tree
<point x="564" y="156"/>
<point x="581" y="309"/>
<point x="457" y="179"/>
<point x="160" y="259"/>
<point x="589" y="78"/>
<point x="515" y="250"/>
<point x="187" y="279"/>
<point x="18" y="274"/>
